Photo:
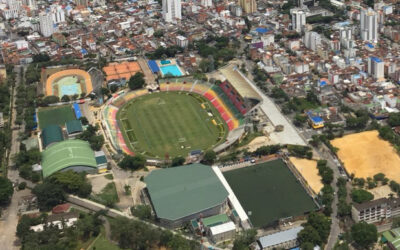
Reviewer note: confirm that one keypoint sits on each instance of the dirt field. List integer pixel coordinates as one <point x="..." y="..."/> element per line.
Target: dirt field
<point x="381" y="192"/>
<point x="365" y="155"/>
<point x="258" y="142"/>
<point x="309" y="171"/>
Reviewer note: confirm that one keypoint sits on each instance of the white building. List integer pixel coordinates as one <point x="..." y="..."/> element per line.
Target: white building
<point x="369" y="25"/>
<point x="298" y="19"/>
<point x="312" y="40"/>
<point x="223" y="232"/>
<point x="171" y="10"/>
<point x="206" y="3"/>
<point x="376" y="67"/>
<point x="13" y="9"/>
<point x="182" y="41"/>
<point x="46" y="24"/>
<point x="58" y="13"/>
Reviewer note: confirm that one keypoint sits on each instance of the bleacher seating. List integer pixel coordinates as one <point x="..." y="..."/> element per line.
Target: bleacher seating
<point x="231" y="115"/>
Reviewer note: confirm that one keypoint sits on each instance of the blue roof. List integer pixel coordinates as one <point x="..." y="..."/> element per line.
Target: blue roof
<point x="279" y="237"/>
<point x="261" y="30"/>
<point x="84" y="51"/>
<point x="376" y="59"/>
<point x="77" y="110"/>
<point x="316" y="119"/>
<point x="370" y="45"/>
<point x="153" y="66"/>
<point x="322" y="83"/>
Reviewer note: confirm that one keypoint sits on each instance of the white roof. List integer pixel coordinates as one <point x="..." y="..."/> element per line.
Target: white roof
<point x="280" y="237"/>
<point x="222" y="228"/>
<point x="232" y="197"/>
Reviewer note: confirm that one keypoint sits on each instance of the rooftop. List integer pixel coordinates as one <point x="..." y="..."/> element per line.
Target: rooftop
<point x="195" y="187"/>
<point x="51" y="134"/>
<point x="66" y="154"/>
<point x="280" y="237"/>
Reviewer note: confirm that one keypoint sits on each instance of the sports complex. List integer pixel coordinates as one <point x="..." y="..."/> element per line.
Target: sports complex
<point x="68" y="82"/>
<point x="184" y="115"/>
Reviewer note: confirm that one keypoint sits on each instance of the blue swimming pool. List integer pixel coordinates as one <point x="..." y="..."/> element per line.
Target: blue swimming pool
<point x="171" y="70"/>
<point x="164" y="62"/>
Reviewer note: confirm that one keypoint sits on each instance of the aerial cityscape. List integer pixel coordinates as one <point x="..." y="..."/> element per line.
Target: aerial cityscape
<point x="199" y="124"/>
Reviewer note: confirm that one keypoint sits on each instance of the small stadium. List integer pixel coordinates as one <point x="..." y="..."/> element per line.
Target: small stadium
<point x="269" y="192"/>
<point x="184" y="115"/>
<point x="68" y="82"/>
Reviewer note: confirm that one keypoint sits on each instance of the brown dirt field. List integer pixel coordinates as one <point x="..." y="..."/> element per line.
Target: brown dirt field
<point x="309" y="171"/>
<point x="365" y="154"/>
<point x="381" y="192"/>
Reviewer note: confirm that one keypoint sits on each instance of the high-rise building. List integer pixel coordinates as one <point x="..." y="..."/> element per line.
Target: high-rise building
<point x="298" y="19"/>
<point x="312" y="40"/>
<point x="376" y="67"/>
<point x="13" y="9"/>
<point x="46" y="23"/>
<point x="58" y="13"/>
<point x="171" y="10"/>
<point x="84" y="3"/>
<point x="206" y="3"/>
<point x="248" y="6"/>
<point x="369" y="25"/>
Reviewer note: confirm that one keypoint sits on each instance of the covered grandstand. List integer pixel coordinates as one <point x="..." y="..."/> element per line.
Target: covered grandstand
<point x="196" y="186"/>
<point x="73" y="155"/>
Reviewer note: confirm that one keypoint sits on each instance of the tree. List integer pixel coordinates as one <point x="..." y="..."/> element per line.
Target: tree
<point x="132" y="162"/>
<point x="394" y="119"/>
<point x="49" y="195"/>
<point x="379" y="177"/>
<point x="209" y="157"/>
<point x="65" y="98"/>
<point x="50" y="100"/>
<point x="72" y="182"/>
<point x="6" y="190"/>
<point x="243" y="240"/>
<point x="309" y="235"/>
<point x="361" y="195"/>
<point x="143" y="212"/>
<point x="178" y="161"/>
<point x="321" y="224"/>
<point x="364" y="234"/>
<point x="84" y="120"/>
<point x="136" y="81"/>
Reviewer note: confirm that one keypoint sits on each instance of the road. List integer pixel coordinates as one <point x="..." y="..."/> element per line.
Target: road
<point x="9" y="220"/>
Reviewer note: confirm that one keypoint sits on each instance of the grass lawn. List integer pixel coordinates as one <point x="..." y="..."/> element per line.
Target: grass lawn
<point x="108" y="196"/>
<point x="102" y="243"/>
<point x="270" y="191"/>
<point x="55" y="115"/>
<point x="170" y="123"/>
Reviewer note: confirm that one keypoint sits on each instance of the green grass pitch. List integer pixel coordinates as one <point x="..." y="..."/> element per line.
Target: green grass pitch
<point x="270" y="191"/>
<point x="170" y="123"/>
<point x="58" y="115"/>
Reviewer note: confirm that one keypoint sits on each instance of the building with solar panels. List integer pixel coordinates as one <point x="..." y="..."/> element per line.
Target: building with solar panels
<point x="181" y="194"/>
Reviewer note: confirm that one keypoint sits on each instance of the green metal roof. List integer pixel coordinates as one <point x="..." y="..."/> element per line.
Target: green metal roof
<point x="66" y="154"/>
<point x="73" y="126"/>
<point x="181" y="191"/>
<point x="51" y="134"/>
<point x="393" y="236"/>
<point x="215" y="220"/>
<point x="101" y="159"/>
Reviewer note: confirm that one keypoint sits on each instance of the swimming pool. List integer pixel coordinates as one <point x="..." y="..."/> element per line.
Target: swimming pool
<point x="171" y="70"/>
<point x="164" y="62"/>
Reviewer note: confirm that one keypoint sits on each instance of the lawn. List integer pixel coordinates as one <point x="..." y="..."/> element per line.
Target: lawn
<point x="108" y="196"/>
<point x="170" y="123"/>
<point x="55" y="115"/>
<point x="102" y="243"/>
<point x="270" y="191"/>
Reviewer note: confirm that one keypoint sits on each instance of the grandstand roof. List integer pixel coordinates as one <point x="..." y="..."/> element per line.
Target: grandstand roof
<point x="182" y="191"/>
<point x="232" y="74"/>
<point x="66" y="154"/>
<point x="51" y="134"/>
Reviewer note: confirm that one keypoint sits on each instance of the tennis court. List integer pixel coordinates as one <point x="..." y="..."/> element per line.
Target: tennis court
<point x="55" y="115"/>
<point x="269" y="192"/>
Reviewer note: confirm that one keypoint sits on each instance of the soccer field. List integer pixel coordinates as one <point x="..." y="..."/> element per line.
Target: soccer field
<point x="170" y="123"/>
<point x="270" y="191"/>
<point x="57" y="115"/>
